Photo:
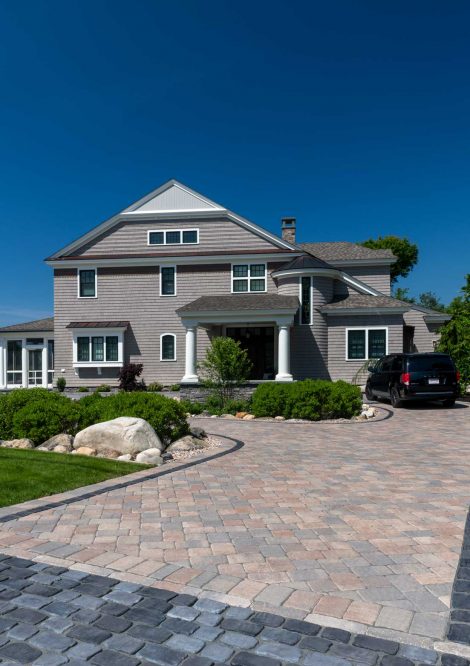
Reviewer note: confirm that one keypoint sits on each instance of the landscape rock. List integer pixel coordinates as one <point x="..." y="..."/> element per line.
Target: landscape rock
<point x="58" y="440"/>
<point x="23" y="443"/>
<point x="108" y="453"/>
<point x="279" y="418"/>
<point x="249" y="417"/>
<point x="228" y="416"/>
<point x="240" y="415"/>
<point x="198" y="432"/>
<point x="125" y="434"/>
<point x="126" y="457"/>
<point x="186" y="443"/>
<point x="85" y="451"/>
<point x="149" y="457"/>
<point x="60" y="448"/>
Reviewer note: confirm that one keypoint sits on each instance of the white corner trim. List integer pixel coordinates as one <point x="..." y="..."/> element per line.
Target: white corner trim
<point x="359" y="285"/>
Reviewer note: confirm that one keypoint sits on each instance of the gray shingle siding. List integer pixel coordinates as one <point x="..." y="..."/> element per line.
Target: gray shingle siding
<point x="338" y="366"/>
<point x="377" y="277"/>
<point x="426" y="334"/>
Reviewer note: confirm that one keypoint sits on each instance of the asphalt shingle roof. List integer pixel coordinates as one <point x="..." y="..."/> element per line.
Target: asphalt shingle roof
<point x="305" y="261"/>
<point x="365" y="301"/>
<point x="98" y="324"/>
<point x="343" y="251"/>
<point x="241" y="302"/>
<point x="46" y="324"/>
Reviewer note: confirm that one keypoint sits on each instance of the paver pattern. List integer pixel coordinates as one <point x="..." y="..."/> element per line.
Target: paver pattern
<point x="51" y="615"/>
<point x="356" y="526"/>
<point x="459" y="623"/>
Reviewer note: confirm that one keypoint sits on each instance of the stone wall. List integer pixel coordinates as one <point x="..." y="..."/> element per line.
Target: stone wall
<point x="198" y="393"/>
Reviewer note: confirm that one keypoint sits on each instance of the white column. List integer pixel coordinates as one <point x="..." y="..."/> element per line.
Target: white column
<point x="24" y="364"/>
<point x="190" y="372"/>
<point x="44" y="365"/>
<point x="283" y="354"/>
<point x="3" y="379"/>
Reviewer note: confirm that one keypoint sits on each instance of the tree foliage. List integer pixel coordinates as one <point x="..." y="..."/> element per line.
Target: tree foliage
<point x="405" y="251"/>
<point x="455" y="334"/>
<point x="225" y="367"/>
<point x="427" y="299"/>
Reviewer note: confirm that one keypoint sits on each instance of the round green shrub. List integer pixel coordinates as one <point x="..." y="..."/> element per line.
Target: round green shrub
<point x="103" y="388"/>
<point x="155" y="387"/>
<point x="166" y="416"/>
<point x="11" y="403"/>
<point x="42" y="416"/>
<point x="270" y="400"/>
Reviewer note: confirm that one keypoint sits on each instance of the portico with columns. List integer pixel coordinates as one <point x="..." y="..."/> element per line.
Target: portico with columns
<point x="261" y="325"/>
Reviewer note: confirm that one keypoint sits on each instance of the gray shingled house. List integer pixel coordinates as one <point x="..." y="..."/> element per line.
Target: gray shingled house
<point x="155" y="282"/>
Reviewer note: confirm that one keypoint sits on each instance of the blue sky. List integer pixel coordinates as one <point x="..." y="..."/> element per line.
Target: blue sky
<point x="352" y="116"/>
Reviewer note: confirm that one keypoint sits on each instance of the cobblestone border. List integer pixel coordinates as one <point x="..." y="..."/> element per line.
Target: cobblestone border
<point x="384" y="414"/>
<point x="52" y="615"/>
<point x="86" y="492"/>
<point x="459" y="619"/>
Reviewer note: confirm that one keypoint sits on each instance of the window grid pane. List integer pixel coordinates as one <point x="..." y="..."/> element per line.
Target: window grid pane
<point x="190" y="236"/>
<point x="377" y="343"/>
<point x="83" y="349"/>
<point x="168" y="281"/>
<point x="168" y="348"/>
<point x="111" y="348"/>
<point x="97" y="348"/>
<point x="257" y="270"/>
<point x="156" y="238"/>
<point x="305" y="300"/>
<point x="173" y="237"/>
<point x="357" y="345"/>
<point x="240" y="285"/>
<point x="257" y="285"/>
<point x="240" y="271"/>
<point x="14" y="361"/>
<point x="87" y="284"/>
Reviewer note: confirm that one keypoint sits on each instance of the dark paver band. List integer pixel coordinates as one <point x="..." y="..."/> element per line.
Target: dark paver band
<point x="51" y="615"/>
<point x="459" y="621"/>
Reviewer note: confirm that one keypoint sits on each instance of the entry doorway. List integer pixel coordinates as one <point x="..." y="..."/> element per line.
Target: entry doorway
<point x="35" y="367"/>
<point x="258" y="341"/>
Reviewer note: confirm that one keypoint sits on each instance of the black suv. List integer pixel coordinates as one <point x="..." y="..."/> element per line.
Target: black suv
<point x="403" y="377"/>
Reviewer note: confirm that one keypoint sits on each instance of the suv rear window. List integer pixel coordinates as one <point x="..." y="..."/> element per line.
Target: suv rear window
<point x="428" y="363"/>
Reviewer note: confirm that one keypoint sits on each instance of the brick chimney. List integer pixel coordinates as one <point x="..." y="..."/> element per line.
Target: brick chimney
<point x="288" y="229"/>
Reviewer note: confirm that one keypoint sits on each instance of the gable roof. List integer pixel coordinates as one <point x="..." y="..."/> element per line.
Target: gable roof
<point x="46" y="324"/>
<point x="241" y="303"/>
<point x="305" y="261"/>
<point x="172" y="199"/>
<point x="345" y="251"/>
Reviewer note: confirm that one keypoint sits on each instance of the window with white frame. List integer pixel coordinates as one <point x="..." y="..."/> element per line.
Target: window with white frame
<point x="168" y="281"/>
<point x="87" y="279"/>
<point x="174" y="237"/>
<point x="248" y="277"/>
<point x="168" y="347"/>
<point x="100" y="348"/>
<point x="305" y="313"/>
<point x="366" y="343"/>
<point x="14" y="362"/>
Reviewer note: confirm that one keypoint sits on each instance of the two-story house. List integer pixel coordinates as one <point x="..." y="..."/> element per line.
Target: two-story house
<point x="154" y="283"/>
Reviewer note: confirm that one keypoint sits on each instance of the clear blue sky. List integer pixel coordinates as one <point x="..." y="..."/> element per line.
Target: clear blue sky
<point x="352" y="116"/>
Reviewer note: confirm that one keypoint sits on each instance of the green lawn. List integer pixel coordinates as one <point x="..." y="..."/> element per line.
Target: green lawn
<point x="26" y="475"/>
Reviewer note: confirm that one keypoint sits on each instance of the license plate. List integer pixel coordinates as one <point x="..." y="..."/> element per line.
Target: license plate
<point x="433" y="381"/>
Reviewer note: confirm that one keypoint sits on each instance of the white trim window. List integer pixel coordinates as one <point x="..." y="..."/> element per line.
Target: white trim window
<point x="168" y="347"/>
<point x="87" y="282"/>
<point x="173" y="237"/>
<point x="305" y="297"/>
<point x="248" y="278"/>
<point x="167" y="280"/>
<point x="98" y="348"/>
<point x="14" y="358"/>
<point x="366" y="342"/>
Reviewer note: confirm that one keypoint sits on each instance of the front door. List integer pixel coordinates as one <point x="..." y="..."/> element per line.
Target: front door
<point x="35" y="367"/>
<point x="258" y="341"/>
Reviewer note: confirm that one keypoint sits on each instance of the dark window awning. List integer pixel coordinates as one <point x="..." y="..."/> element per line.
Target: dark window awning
<point x="98" y="324"/>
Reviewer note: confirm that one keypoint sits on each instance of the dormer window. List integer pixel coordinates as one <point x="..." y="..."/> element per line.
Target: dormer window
<point x="174" y="237"/>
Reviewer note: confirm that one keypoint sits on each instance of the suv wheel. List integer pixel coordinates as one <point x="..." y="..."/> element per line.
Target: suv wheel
<point x="395" y="398"/>
<point x="450" y="402"/>
<point x="369" y="394"/>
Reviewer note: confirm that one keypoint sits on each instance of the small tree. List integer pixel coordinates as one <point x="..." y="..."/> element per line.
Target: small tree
<point x="455" y="334"/>
<point x="405" y="251"/>
<point x="128" y="377"/>
<point x="225" y="367"/>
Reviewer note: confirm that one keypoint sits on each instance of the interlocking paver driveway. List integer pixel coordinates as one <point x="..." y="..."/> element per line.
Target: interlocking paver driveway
<point x="349" y="525"/>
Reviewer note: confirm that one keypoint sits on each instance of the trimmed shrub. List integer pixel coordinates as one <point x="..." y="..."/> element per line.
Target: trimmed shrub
<point x="311" y="399"/>
<point x="166" y="416"/>
<point x="61" y="384"/>
<point x="83" y="389"/>
<point x="214" y="405"/>
<point x="190" y="407"/>
<point x="103" y="388"/>
<point x="175" y="387"/>
<point x="36" y="413"/>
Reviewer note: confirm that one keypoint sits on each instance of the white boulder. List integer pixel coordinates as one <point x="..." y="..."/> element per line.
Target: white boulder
<point x="58" y="440"/>
<point x="23" y="443"/>
<point x="149" y="457"/>
<point x="126" y="434"/>
<point x="186" y="443"/>
<point x="85" y="451"/>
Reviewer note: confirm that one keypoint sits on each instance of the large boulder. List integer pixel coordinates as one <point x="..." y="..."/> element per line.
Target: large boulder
<point x="198" y="432"/>
<point x="125" y="434"/>
<point x="187" y="443"/>
<point x="58" y="440"/>
<point x="149" y="457"/>
<point x="85" y="451"/>
<point x="23" y="443"/>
